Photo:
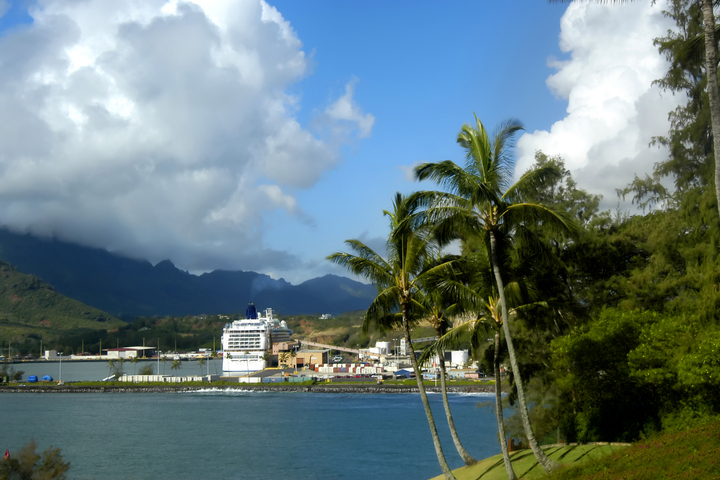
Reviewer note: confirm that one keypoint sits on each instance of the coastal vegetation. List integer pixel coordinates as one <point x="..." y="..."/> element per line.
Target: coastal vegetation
<point x="26" y="463"/>
<point x="614" y="333"/>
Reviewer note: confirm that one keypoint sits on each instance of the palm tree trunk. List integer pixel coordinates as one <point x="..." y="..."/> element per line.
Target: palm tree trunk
<point x="466" y="457"/>
<point x="711" y="63"/>
<point x="426" y="404"/>
<point x="499" y="409"/>
<point x="543" y="459"/>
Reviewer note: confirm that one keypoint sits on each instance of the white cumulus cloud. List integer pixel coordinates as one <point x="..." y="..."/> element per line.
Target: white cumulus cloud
<point x="613" y="108"/>
<point x="161" y="129"/>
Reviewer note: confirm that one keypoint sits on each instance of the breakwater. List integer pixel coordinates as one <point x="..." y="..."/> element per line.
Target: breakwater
<point x="316" y="388"/>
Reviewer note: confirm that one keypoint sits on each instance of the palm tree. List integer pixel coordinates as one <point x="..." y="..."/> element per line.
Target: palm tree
<point x="399" y="278"/>
<point x="435" y="307"/>
<point x="134" y="360"/>
<point x="201" y="362"/>
<point x="481" y="201"/>
<point x="293" y="356"/>
<point x="176" y="365"/>
<point x="711" y="71"/>
<point x="164" y="360"/>
<point x="496" y="323"/>
<point x="283" y="359"/>
<point x="119" y="370"/>
<point x="488" y="318"/>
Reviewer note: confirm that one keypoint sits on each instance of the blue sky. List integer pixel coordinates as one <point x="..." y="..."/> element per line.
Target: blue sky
<point x="246" y="135"/>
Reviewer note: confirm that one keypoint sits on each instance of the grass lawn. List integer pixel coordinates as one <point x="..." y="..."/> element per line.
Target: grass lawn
<point x="526" y="466"/>
<point x="693" y="453"/>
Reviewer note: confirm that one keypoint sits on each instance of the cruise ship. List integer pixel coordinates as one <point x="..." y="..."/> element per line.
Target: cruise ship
<point x="247" y="343"/>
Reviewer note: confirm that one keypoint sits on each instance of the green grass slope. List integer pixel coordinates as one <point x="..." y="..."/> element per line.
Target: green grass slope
<point x="526" y="466"/>
<point x="692" y="453"/>
<point x="30" y="308"/>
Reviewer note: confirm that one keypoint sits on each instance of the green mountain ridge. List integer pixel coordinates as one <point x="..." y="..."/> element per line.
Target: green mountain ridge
<point x="129" y="288"/>
<point x="31" y="310"/>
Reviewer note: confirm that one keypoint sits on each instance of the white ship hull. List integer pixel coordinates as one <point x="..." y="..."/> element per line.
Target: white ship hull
<point x="241" y="365"/>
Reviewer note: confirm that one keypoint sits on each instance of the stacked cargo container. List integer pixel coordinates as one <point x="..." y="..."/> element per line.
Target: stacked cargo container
<point x="349" y="368"/>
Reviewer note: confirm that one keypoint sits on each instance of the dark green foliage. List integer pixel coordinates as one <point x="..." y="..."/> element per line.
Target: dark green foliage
<point x="632" y="372"/>
<point x="26" y="464"/>
<point x="8" y="372"/>
<point x="601" y="398"/>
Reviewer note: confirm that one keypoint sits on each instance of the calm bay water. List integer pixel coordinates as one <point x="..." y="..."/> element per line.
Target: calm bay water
<point x="245" y="435"/>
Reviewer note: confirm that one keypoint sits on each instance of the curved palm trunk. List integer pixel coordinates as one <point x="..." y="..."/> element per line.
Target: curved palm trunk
<point x="466" y="457"/>
<point x="426" y="404"/>
<point x="543" y="459"/>
<point x="499" y="409"/>
<point x="711" y="62"/>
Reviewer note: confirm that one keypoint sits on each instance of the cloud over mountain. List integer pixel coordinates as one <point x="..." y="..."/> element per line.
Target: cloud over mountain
<point x="161" y="129"/>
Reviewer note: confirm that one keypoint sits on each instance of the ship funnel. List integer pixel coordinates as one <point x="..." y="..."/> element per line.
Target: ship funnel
<point x="251" y="313"/>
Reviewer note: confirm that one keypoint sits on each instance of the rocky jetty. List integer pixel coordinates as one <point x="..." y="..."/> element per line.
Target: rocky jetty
<point x="316" y="388"/>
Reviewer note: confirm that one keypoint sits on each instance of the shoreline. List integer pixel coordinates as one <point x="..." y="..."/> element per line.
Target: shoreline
<point x="318" y="388"/>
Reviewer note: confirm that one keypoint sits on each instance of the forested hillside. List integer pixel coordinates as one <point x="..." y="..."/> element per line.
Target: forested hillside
<point x="607" y="321"/>
<point x="31" y="311"/>
<point x="629" y="341"/>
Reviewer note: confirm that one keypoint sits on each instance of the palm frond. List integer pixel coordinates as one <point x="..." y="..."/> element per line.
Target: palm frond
<point x="381" y="312"/>
<point x="536" y="214"/>
<point x="531" y="181"/>
<point x="377" y="274"/>
<point x="503" y="144"/>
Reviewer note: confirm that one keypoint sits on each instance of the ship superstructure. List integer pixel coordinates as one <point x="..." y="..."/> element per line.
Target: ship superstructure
<point x="246" y="343"/>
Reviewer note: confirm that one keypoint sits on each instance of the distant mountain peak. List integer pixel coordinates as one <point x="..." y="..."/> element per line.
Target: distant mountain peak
<point x="166" y="264"/>
<point x="129" y="287"/>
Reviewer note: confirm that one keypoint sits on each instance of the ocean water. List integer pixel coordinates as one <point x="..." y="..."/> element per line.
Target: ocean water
<point x="232" y="434"/>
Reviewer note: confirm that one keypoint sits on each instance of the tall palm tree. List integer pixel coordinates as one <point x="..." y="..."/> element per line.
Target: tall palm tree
<point x="111" y="366"/>
<point x="488" y="318"/>
<point x="399" y="277"/>
<point x="436" y="307"/>
<point x="482" y="201"/>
